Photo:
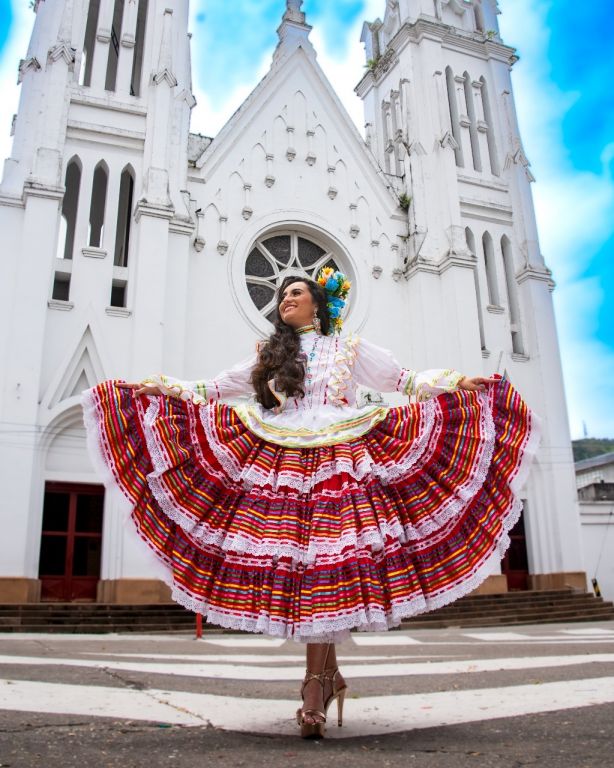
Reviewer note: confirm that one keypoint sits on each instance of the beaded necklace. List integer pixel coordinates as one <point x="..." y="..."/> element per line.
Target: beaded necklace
<point x="305" y="329"/>
<point x="309" y="373"/>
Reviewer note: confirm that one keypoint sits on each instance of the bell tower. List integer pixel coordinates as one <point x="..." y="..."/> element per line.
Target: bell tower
<point x="441" y="122"/>
<point x="93" y="194"/>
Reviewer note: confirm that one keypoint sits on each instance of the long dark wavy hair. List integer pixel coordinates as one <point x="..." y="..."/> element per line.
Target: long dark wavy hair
<point x="279" y="357"/>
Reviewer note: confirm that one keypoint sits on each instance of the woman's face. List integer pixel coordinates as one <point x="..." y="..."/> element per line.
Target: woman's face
<point x="297" y="305"/>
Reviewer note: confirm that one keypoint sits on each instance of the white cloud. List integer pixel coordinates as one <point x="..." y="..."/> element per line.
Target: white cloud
<point x="16" y="48"/>
<point x="574" y="215"/>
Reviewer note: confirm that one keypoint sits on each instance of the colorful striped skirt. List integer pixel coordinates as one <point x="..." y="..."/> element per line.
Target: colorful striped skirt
<point x="309" y="543"/>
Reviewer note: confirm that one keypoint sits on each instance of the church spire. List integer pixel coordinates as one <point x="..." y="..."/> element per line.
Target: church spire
<point x="293" y="12"/>
<point x="293" y="30"/>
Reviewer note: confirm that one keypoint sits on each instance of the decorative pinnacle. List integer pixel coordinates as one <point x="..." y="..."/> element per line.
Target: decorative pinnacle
<point x="293" y="12"/>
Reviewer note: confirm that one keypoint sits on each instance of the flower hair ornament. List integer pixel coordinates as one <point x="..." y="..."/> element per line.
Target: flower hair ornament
<point x="337" y="287"/>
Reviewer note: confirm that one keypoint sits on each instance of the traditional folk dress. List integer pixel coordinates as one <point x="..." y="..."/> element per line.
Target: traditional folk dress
<point x="320" y="516"/>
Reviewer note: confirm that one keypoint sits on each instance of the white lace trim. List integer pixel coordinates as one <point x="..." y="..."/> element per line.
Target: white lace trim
<point x="368" y="618"/>
<point x="102" y="461"/>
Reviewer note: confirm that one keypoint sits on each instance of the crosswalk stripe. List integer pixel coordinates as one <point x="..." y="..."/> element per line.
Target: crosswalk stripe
<point x="363" y="717"/>
<point x="229" y="671"/>
<point x="376" y="641"/>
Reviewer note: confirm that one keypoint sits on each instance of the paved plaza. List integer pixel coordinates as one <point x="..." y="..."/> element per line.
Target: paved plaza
<point x="531" y="695"/>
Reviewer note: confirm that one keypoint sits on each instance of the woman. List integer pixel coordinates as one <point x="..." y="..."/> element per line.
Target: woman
<point x="301" y="515"/>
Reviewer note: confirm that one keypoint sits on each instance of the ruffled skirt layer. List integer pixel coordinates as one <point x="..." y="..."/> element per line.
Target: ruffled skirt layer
<point x="312" y="542"/>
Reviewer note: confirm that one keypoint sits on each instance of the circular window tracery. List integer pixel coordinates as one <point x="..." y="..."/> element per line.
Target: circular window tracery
<point x="274" y="257"/>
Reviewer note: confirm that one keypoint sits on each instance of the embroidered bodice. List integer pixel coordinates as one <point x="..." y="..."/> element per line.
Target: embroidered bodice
<point x="334" y="368"/>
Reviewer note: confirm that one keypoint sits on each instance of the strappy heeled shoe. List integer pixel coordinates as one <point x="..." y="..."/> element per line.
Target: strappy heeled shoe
<point x="317" y="729"/>
<point x="337" y="693"/>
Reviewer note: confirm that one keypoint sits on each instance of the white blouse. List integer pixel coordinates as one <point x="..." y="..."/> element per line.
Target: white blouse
<point x="328" y="413"/>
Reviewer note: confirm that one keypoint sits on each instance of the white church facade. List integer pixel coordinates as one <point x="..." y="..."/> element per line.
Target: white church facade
<point x="131" y="246"/>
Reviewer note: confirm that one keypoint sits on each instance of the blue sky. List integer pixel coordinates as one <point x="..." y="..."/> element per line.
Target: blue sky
<point x="566" y="114"/>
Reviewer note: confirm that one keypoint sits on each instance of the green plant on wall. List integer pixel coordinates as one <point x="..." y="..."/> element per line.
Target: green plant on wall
<point x="404" y="201"/>
<point x="372" y="63"/>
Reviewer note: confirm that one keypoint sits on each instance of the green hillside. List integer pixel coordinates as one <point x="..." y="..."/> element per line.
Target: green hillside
<point x="591" y="446"/>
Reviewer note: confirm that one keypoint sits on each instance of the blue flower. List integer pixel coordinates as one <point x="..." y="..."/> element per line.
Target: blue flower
<point x="336" y="301"/>
<point x="333" y="312"/>
<point x="332" y="284"/>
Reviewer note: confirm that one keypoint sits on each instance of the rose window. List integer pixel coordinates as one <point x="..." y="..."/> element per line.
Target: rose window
<point x="274" y="257"/>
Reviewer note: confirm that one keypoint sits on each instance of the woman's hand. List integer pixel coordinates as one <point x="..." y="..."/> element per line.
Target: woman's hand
<point x="143" y="389"/>
<point x="476" y="383"/>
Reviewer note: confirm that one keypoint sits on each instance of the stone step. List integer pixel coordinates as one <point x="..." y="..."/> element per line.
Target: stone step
<point x="507" y="609"/>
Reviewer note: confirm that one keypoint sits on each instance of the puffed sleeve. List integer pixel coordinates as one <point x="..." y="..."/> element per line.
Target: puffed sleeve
<point x="234" y="382"/>
<point x="377" y="368"/>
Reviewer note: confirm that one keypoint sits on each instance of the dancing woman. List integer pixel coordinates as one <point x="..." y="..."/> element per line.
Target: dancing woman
<point x="299" y="514"/>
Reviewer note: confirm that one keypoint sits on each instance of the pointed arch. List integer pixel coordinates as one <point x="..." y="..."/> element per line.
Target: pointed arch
<point x="512" y="295"/>
<point x="257" y="162"/>
<point x="80" y="369"/>
<point x="124" y="216"/>
<point x="280" y="135"/>
<point x="299" y="112"/>
<point x="470" y="237"/>
<point x="342" y="180"/>
<point x="70" y="204"/>
<point x="98" y="202"/>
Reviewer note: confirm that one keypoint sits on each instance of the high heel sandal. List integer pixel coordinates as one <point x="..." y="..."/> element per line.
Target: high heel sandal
<point x="337" y="693"/>
<point x="318" y="728"/>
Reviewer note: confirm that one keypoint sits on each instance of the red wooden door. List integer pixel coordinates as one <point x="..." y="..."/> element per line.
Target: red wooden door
<point x="71" y="541"/>
<point x="515" y="564"/>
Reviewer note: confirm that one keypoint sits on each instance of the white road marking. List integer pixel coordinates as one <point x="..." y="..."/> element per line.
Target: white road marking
<point x="596" y="631"/>
<point x="246" y="642"/>
<point x="365" y="716"/>
<point x="394" y="638"/>
<point x="496" y="636"/>
<point x="245" y="658"/>
<point x="228" y="671"/>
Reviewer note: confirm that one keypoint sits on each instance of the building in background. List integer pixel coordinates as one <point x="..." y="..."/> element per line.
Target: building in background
<point x="132" y="246"/>
<point x="595" y="481"/>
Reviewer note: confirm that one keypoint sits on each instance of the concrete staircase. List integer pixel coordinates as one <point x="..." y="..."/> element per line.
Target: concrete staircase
<point x="506" y="609"/>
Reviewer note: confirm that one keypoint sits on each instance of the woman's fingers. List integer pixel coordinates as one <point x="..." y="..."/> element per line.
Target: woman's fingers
<point x="140" y="389"/>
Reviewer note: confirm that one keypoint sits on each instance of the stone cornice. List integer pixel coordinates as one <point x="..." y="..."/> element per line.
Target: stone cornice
<point x="532" y="272"/>
<point x="425" y="28"/>
<point x="143" y="208"/>
<point x="181" y="226"/>
<point x="130" y="105"/>
<point x="35" y="189"/>
<point x="11" y="201"/>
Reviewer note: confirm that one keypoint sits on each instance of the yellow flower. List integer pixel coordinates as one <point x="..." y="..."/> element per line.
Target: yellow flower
<point x="346" y="286"/>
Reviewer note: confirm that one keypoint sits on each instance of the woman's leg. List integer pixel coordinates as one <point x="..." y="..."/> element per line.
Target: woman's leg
<point x="319" y="656"/>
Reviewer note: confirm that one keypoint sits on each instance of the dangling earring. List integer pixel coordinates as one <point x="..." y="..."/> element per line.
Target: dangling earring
<point x="316" y="322"/>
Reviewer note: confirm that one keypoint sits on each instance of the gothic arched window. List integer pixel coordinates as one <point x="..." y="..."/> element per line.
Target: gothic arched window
<point x="476" y="277"/>
<point x="275" y="256"/>
<point x="491" y="270"/>
<point x="70" y="203"/>
<point x="124" y="217"/>
<point x="98" y="204"/>
<point x="512" y="295"/>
